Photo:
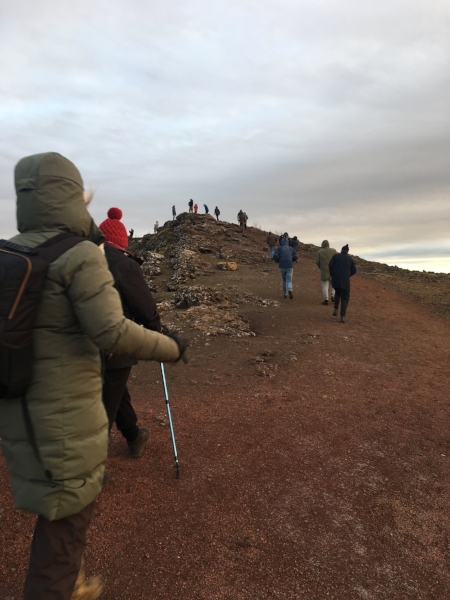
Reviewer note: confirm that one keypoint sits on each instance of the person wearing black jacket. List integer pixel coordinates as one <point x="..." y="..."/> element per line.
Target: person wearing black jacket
<point x="342" y="267"/>
<point x="293" y="243"/>
<point x="139" y="305"/>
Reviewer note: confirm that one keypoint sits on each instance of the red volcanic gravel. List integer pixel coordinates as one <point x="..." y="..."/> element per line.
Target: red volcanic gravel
<point x="315" y="460"/>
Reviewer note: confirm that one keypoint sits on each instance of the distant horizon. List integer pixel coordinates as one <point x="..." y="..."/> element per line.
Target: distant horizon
<point x="432" y="264"/>
<point x="439" y="264"/>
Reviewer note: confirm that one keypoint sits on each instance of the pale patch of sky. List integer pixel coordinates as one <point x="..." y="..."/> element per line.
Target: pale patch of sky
<point x="327" y="119"/>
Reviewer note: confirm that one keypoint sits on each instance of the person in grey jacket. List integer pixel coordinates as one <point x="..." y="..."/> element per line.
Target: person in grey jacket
<point x="342" y="267"/>
<point x="286" y="256"/>
<point x="323" y="258"/>
<point x="57" y="473"/>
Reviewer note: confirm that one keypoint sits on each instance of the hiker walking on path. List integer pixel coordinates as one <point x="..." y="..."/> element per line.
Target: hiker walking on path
<point x="138" y="305"/>
<point x="155" y="228"/>
<point x="217" y="213"/>
<point x="191" y="205"/>
<point x="323" y="258"/>
<point x="342" y="267"/>
<point x="196" y="208"/>
<point x="174" y="213"/>
<point x="293" y="243"/>
<point x="285" y="256"/>
<point x="206" y="209"/>
<point x="57" y="471"/>
<point x="131" y="233"/>
<point x="271" y="242"/>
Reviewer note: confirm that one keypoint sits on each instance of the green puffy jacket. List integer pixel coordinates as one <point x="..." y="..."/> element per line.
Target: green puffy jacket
<point x="323" y="259"/>
<point x="80" y="314"/>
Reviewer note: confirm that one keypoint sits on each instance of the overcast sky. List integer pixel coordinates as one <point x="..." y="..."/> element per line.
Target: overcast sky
<point x="325" y="119"/>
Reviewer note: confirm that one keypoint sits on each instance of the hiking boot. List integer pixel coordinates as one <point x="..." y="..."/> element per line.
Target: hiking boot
<point x="332" y="298"/>
<point x="342" y="319"/>
<point x="137" y="447"/>
<point x="325" y="302"/>
<point x="106" y="478"/>
<point x="87" y="589"/>
<point x="335" y="312"/>
<point x="291" y="295"/>
<point x="285" y="296"/>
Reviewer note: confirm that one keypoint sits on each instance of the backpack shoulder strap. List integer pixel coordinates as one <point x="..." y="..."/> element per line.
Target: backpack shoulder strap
<point x="57" y="245"/>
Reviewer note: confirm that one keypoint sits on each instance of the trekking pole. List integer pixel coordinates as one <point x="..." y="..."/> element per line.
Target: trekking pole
<point x="166" y="394"/>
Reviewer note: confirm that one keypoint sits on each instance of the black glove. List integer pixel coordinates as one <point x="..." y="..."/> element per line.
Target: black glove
<point x="181" y="341"/>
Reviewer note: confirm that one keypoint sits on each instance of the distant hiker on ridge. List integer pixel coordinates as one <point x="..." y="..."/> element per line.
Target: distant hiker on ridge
<point x="131" y="233"/>
<point x="322" y="261"/>
<point x="206" y="209"/>
<point x="155" y="228"/>
<point x="196" y="208"/>
<point x="271" y="242"/>
<point x="342" y="267"/>
<point x="217" y="213"/>
<point x="285" y="256"/>
<point x="191" y="204"/>
<point x="242" y="218"/>
<point x="174" y="213"/>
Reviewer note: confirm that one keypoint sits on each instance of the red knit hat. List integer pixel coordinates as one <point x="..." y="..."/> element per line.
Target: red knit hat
<point x="113" y="229"/>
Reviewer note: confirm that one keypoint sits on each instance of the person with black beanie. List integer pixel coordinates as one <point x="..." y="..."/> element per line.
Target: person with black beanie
<point x="342" y="267"/>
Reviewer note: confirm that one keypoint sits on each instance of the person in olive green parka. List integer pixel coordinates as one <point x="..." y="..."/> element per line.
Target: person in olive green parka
<point x="323" y="258"/>
<point x="80" y="315"/>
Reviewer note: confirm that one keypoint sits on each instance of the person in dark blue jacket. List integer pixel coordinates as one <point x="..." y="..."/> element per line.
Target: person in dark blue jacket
<point x="206" y="209"/>
<point x="342" y="267"/>
<point x="286" y="256"/>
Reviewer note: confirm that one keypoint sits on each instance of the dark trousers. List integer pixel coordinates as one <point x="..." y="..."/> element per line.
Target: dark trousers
<point x="340" y="293"/>
<point x="56" y="553"/>
<point x="117" y="401"/>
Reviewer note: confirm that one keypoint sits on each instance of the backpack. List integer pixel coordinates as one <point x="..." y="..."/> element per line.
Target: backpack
<point x="22" y="277"/>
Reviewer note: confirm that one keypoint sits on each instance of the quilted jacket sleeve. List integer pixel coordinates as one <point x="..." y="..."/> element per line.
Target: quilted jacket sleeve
<point x="98" y="308"/>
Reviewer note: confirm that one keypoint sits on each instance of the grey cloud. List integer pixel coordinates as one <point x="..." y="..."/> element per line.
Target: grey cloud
<point x="306" y="114"/>
<point x="412" y="251"/>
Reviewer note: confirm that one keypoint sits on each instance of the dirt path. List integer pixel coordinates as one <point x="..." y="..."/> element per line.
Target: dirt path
<point x="315" y="460"/>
